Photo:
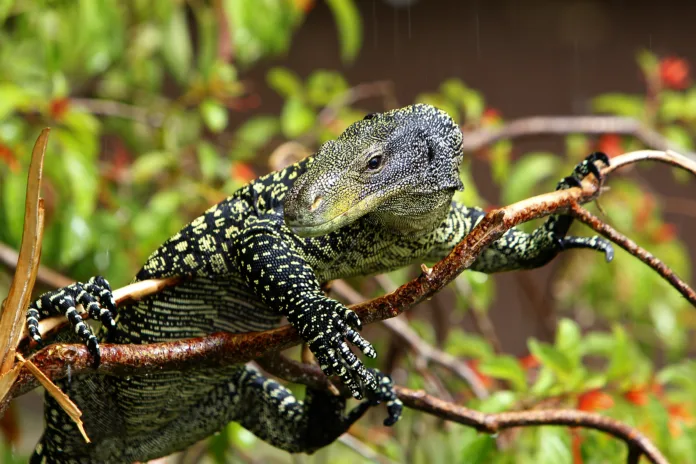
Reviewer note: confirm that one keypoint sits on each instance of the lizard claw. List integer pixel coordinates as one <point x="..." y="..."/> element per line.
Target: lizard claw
<point x="96" y="298"/>
<point x="327" y="327"/>
<point x="386" y="394"/>
<point x="353" y="320"/>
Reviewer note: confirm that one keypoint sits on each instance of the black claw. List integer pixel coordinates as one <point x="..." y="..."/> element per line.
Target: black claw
<point x="568" y="182"/>
<point x="354" y="320"/>
<point x="609" y="254"/>
<point x="599" y="156"/>
<point x="595" y="171"/>
<point x="93" y="348"/>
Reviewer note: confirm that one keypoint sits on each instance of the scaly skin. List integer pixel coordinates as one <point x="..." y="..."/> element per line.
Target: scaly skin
<point x="376" y="199"/>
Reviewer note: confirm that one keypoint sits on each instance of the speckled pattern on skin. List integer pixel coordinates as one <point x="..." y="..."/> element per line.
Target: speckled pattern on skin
<point x="376" y="199"/>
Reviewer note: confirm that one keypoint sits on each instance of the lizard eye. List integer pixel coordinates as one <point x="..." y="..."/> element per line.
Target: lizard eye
<point x="374" y="162"/>
<point x="370" y="116"/>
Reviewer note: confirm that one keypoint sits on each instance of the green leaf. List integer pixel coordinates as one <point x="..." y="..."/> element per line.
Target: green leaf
<point x="553" y="446"/>
<point x="620" y="104"/>
<point x="482" y="290"/>
<point x="296" y="118"/>
<point x="347" y="19"/>
<point x="218" y="444"/>
<point x="673" y="106"/>
<point x="325" y="86"/>
<point x="209" y="160"/>
<point x="527" y="174"/>
<point x="598" y="343"/>
<point x="214" y="115"/>
<point x="552" y="358"/>
<point x="12" y="97"/>
<point x="462" y="344"/>
<point x="648" y="62"/>
<point x="285" y="82"/>
<point x="680" y="136"/>
<point x="620" y="363"/>
<point x="682" y="375"/>
<point x="252" y="135"/>
<point x="568" y="339"/>
<point x="505" y="367"/>
<point x="76" y="237"/>
<point x="498" y="401"/>
<point x="479" y="450"/>
<point x="5" y="8"/>
<point x="150" y="165"/>
<point x="208" y="36"/>
<point x="499" y="154"/>
<point x="176" y="49"/>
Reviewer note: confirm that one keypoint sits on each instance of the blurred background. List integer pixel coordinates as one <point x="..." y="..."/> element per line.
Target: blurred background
<point x="161" y="108"/>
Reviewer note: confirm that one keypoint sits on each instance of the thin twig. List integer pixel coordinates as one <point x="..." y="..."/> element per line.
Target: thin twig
<point x="9" y="257"/>
<point x="536" y="125"/>
<point x="632" y="247"/>
<point x="120" y="110"/>
<point x="495" y="423"/>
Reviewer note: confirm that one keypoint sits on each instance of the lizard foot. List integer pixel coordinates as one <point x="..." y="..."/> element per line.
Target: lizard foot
<point x="325" y="325"/>
<point x="95" y="296"/>
<point x="583" y="169"/>
<point x="386" y="394"/>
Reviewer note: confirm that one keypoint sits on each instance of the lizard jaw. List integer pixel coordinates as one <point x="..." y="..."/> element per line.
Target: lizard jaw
<point x="335" y="222"/>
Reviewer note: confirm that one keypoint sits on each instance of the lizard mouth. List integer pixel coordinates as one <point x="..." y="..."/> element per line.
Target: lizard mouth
<point x="331" y="220"/>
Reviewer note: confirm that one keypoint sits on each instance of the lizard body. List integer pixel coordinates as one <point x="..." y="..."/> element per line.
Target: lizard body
<point x="377" y="198"/>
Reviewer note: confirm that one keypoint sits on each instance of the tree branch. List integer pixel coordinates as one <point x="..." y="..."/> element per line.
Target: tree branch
<point x="537" y="125"/>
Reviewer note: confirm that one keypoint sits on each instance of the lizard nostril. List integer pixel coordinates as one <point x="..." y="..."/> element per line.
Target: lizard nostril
<point x="317" y="201"/>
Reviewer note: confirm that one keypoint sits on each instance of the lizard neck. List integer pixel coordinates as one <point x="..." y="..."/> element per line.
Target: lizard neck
<point x="413" y="215"/>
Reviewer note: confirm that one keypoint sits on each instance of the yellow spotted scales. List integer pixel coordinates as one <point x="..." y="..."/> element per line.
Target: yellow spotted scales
<point x="377" y="198"/>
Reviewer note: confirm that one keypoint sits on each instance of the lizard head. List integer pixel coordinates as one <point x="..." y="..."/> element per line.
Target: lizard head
<point x="398" y="168"/>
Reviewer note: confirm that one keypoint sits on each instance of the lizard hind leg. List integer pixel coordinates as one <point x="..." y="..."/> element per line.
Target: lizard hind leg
<point x="271" y="412"/>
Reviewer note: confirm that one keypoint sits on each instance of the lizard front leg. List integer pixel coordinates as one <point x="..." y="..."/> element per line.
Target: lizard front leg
<point x="282" y="278"/>
<point x="517" y="249"/>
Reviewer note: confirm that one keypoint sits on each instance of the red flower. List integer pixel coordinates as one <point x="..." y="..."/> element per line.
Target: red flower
<point x="9" y="158"/>
<point x="305" y="5"/>
<point x="594" y="400"/>
<point x="637" y="395"/>
<point x="529" y="362"/>
<point x="485" y="380"/>
<point x="679" y="415"/>
<point x="58" y="107"/>
<point x="664" y="233"/>
<point x="242" y="172"/>
<point x="674" y="73"/>
<point x="610" y="144"/>
<point x="491" y="117"/>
